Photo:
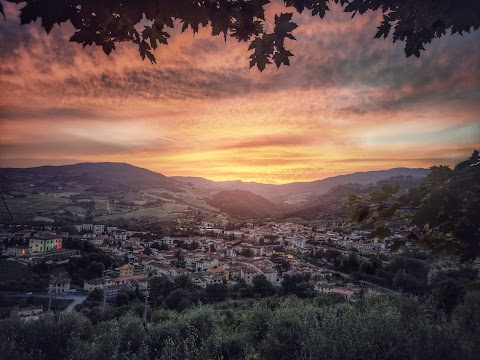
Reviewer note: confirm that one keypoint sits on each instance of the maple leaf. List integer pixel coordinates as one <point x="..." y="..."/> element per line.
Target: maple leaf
<point x="144" y="50"/>
<point x="154" y="35"/>
<point x="319" y="8"/>
<point x="108" y="46"/>
<point x="414" y="22"/>
<point x="282" y="57"/>
<point x="86" y="36"/>
<point x="283" y="27"/>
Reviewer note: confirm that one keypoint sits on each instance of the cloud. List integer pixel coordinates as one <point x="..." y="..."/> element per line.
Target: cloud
<point x="201" y="110"/>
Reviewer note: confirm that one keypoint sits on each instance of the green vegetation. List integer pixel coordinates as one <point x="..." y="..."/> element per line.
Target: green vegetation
<point x="375" y="328"/>
<point x="446" y="205"/>
<point x="242" y="204"/>
<point x="11" y="270"/>
<point x="18" y="277"/>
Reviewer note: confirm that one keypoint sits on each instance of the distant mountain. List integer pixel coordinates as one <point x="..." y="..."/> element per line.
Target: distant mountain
<point x="317" y="187"/>
<point x="242" y="204"/>
<point x="100" y="175"/>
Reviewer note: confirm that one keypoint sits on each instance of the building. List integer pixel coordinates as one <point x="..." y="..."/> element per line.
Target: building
<point x="44" y="244"/>
<point x="18" y="251"/>
<point x="218" y="271"/>
<point x="138" y="269"/>
<point x="29" y="313"/>
<point x="98" y="229"/>
<point x="344" y="292"/>
<point x="97" y="240"/>
<point x="111" y="229"/>
<point x="271" y="275"/>
<point x="59" y="284"/>
<point x="247" y="274"/>
<point x="125" y="270"/>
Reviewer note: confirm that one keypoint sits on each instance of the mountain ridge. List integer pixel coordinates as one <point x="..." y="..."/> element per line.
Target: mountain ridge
<point x="316" y="187"/>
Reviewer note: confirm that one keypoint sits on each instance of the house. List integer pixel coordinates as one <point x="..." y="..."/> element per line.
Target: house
<point x="111" y="229"/>
<point x="90" y="285"/>
<point x="167" y="240"/>
<point x="44" y="244"/>
<point x="18" y="251"/>
<point x="247" y="274"/>
<point x="29" y="313"/>
<point x="138" y="269"/>
<point x="98" y="229"/>
<point x="346" y="293"/>
<point x="125" y="270"/>
<point x="218" y="271"/>
<point x="271" y="275"/>
<point x="59" y="284"/>
<point x="97" y="241"/>
<point x="167" y="271"/>
<point x="117" y="284"/>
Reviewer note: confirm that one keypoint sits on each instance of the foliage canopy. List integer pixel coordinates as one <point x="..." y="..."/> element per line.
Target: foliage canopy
<point x="109" y="22"/>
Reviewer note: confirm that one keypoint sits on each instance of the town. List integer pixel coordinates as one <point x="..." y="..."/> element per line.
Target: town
<point x="214" y="255"/>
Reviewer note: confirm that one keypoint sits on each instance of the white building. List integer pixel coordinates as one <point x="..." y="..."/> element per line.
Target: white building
<point x="98" y="229"/>
<point x="44" y="244"/>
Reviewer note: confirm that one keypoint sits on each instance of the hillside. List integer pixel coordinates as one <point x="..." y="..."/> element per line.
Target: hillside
<point x="333" y="204"/>
<point x="317" y="187"/>
<point x="242" y="204"/>
<point x="95" y="192"/>
<point x="103" y="176"/>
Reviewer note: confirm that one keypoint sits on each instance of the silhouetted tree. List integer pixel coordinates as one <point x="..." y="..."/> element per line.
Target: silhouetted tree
<point x="106" y="23"/>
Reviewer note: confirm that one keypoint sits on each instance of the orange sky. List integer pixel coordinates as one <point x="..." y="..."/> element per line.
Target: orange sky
<point x="347" y="103"/>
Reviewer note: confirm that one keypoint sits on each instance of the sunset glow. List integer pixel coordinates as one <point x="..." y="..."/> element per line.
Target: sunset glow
<point x="347" y="103"/>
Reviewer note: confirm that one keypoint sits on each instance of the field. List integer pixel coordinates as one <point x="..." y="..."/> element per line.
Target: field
<point x="34" y="203"/>
<point x="11" y="270"/>
<point x="159" y="211"/>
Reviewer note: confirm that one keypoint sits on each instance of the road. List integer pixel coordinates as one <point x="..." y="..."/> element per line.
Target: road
<point x="77" y="299"/>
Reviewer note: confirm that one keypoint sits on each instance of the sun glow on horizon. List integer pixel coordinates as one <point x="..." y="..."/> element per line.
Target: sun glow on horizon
<point x="202" y="112"/>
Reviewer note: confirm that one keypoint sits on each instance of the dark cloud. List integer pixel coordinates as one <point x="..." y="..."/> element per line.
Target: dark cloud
<point x="67" y="113"/>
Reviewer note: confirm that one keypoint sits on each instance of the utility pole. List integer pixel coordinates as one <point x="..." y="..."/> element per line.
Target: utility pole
<point x="104" y="297"/>
<point x="50" y="290"/>
<point x="50" y="300"/>
<point x="145" y="308"/>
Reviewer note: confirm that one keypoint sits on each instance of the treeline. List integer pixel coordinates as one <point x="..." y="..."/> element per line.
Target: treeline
<point x="409" y="272"/>
<point x="375" y="328"/>
<point x="181" y="294"/>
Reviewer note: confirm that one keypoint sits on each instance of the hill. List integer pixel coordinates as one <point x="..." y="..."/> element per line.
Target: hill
<point x="242" y="204"/>
<point x="104" y="176"/>
<point x="317" y="187"/>
<point x="333" y="204"/>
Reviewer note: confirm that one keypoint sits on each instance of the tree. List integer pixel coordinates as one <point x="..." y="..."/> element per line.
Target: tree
<point x="216" y="292"/>
<point x="96" y="269"/>
<point x="105" y="24"/>
<point x="262" y="286"/>
<point x="447" y="295"/>
<point x="446" y="204"/>
<point x="95" y="295"/>
<point x="160" y="287"/>
<point x="179" y="259"/>
<point x="121" y="299"/>
<point x="281" y="264"/>
<point x="176" y="299"/>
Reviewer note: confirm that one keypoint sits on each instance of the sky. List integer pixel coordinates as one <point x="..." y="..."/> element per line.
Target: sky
<point x="347" y="103"/>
